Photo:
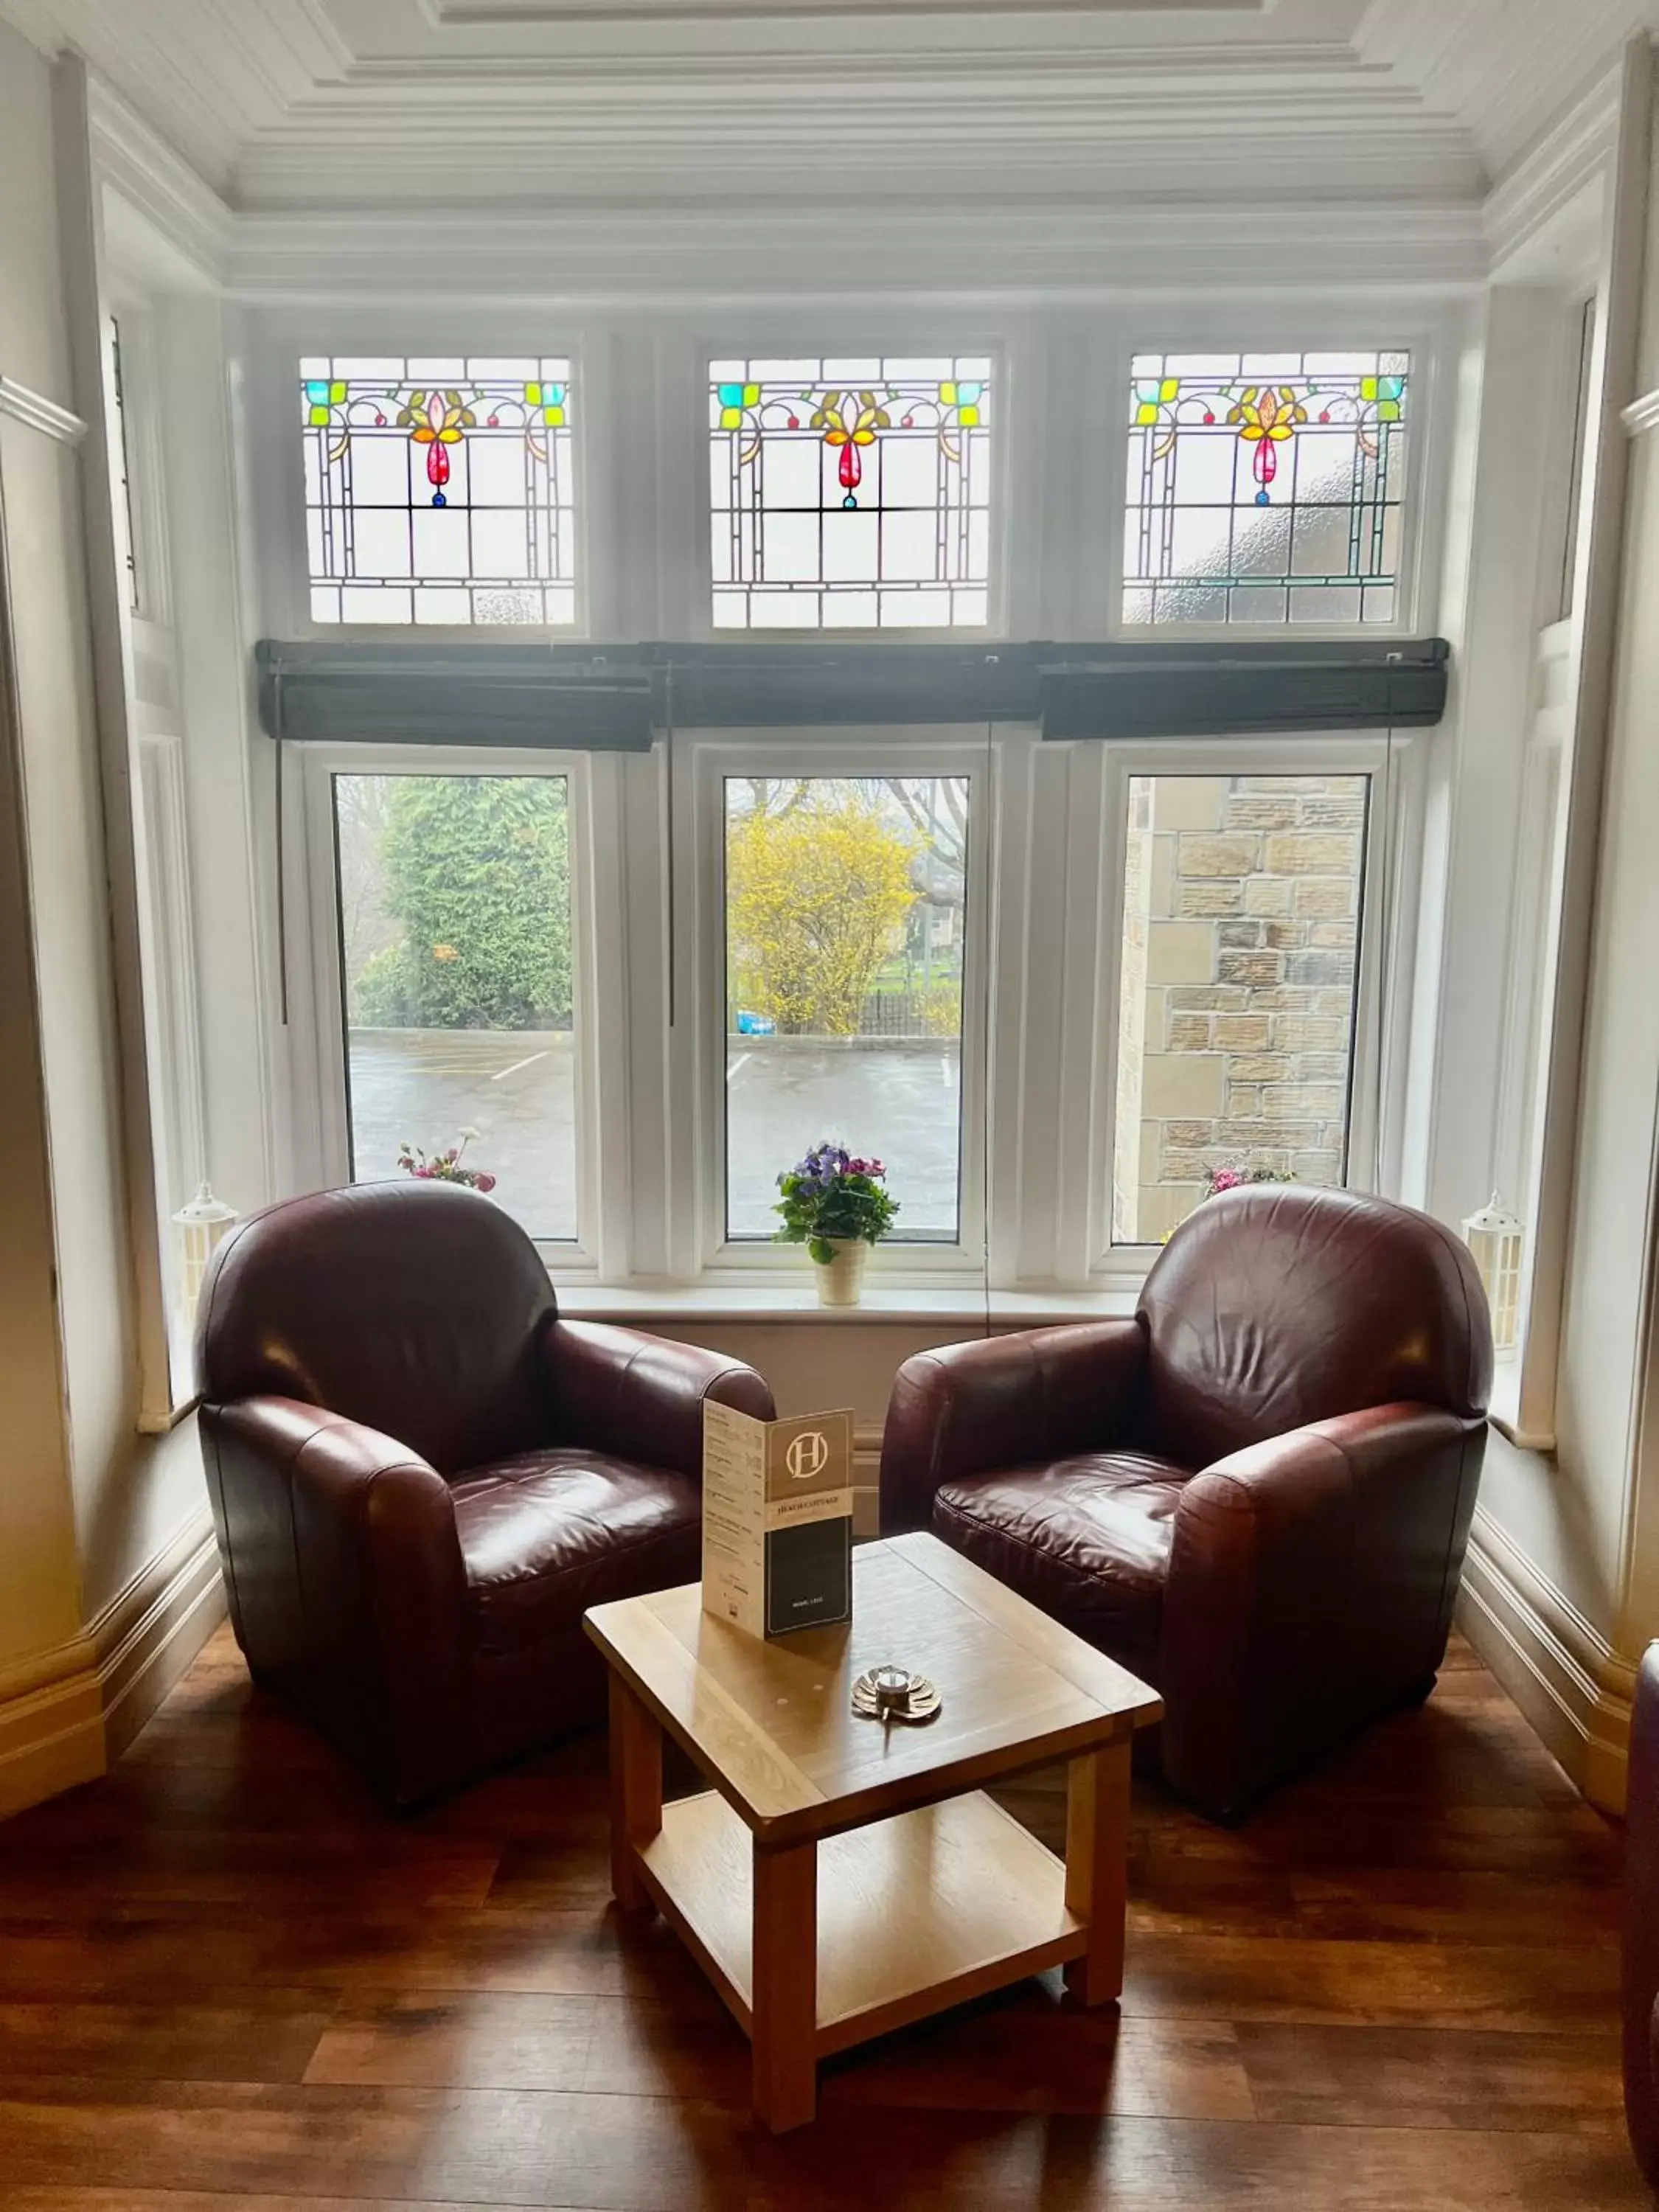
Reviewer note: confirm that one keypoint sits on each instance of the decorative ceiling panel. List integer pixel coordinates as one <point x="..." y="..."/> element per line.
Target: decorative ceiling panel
<point x="744" y="104"/>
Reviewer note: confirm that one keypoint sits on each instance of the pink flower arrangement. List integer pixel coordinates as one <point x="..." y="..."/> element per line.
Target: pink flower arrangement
<point x="1235" y="1178"/>
<point x="445" y="1167"/>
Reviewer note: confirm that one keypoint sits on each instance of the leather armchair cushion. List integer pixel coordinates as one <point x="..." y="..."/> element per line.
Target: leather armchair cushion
<point x="1086" y="1538"/>
<point x="546" y="1534"/>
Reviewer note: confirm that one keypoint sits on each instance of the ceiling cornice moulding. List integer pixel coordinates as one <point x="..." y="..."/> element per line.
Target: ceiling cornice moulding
<point x="1569" y="156"/>
<point x="688" y="255"/>
<point x="138" y="163"/>
<point x="1035" y="182"/>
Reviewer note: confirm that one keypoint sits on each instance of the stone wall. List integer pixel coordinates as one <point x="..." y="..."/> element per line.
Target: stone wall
<point x="1241" y="919"/>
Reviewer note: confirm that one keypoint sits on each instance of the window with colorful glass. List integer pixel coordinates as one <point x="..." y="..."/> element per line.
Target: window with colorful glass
<point x="851" y="494"/>
<point x="440" y="490"/>
<point x="1265" y="488"/>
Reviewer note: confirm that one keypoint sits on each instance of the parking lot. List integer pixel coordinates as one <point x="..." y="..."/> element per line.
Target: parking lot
<point x="898" y="1101"/>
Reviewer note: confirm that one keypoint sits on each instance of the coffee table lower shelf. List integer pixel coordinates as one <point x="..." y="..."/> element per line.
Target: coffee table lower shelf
<point x="915" y="1913"/>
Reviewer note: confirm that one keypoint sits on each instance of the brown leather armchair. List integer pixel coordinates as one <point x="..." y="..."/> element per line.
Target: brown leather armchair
<point x="1256" y="1493"/>
<point x="1642" y="1923"/>
<point x="422" y="1477"/>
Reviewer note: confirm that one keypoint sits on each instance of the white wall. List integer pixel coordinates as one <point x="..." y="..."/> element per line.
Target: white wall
<point x="93" y="1506"/>
<point x="1563" y="1587"/>
<point x="39" y="1603"/>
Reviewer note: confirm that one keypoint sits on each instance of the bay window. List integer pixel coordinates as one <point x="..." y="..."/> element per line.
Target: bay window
<point x="1060" y="977"/>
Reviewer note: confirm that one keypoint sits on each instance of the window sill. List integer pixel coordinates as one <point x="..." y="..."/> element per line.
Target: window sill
<point x="793" y="1301"/>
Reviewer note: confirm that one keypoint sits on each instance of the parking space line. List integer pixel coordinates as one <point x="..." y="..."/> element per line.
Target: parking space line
<point x="517" y="1065"/>
<point x="735" y="1065"/>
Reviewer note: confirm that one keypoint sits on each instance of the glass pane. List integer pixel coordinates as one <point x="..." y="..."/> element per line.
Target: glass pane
<point x="457" y="964"/>
<point x="453" y="476"/>
<point x="1250" y="471"/>
<point x="840" y="490"/>
<point x="123" y="468"/>
<point x="846" y="906"/>
<point x="1241" y="926"/>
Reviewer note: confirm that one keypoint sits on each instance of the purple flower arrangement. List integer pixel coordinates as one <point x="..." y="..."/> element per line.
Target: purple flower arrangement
<point x="445" y="1167"/>
<point x="833" y="1194"/>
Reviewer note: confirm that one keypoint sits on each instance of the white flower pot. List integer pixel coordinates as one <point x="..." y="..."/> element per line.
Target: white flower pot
<point x="841" y="1280"/>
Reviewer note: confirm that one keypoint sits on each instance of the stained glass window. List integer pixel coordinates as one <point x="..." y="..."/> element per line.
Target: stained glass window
<point x="1265" y="487"/>
<point x="440" y="490"/>
<point x="851" y="494"/>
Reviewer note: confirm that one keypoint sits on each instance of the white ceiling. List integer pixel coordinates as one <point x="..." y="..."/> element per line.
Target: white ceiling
<point x="883" y="106"/>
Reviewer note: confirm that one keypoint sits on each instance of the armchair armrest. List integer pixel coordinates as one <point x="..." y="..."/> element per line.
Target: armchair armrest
<point x="641" y="1397"/>
<point x="346" y="1580"/>
<point x="1310" y="1586"/>
<point x="1000" y="1402"/>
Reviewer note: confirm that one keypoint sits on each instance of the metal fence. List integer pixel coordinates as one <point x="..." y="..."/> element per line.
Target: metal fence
<point x="899" y="1015"/>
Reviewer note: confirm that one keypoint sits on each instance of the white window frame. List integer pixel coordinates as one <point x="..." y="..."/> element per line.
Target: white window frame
<point x="1039" y="1077"/>
<point x="1289" y="326"/>
<point x="704" y="760"/>
<point x="1388" y="898"/>
<point x="143" y="734"/>
<point x="317" y="1013"/>
<point x="641" y="453"/>
<point x="1016" y="461"/>
<point x="135" y="435"/>
<point x="276" y="454"/>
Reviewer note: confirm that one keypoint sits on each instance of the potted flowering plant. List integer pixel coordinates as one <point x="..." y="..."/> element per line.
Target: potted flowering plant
<point x="835" y="1205"/>
<point x="445" y="1167"/>
<point x="1222" y="1179"/>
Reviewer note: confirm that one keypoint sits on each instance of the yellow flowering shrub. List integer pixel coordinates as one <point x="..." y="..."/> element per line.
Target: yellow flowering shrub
<point x="817" y="898"/>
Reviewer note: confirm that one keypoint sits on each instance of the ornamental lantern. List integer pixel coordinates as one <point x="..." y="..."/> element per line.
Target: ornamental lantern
<point x="1494" y="1238"/>
<point x="200" y="1225"/>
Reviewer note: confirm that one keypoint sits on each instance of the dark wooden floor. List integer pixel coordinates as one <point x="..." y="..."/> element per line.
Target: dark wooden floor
<point x="225" y="1978"/>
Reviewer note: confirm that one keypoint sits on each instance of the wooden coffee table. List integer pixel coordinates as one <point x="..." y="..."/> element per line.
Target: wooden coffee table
<point x="843" y="1878"/>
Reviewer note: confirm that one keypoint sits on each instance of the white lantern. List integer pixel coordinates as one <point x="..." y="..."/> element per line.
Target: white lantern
<point x="200" y="1225"/>
<point x="1494" y="1238"/>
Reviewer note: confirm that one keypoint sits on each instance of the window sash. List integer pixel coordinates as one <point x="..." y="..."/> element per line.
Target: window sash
<point x="1043" y="952"/>
<point x="322" y="1138"/>
<point x="704" y="762"/>
<point x="1387" y="897"/>
<point x="1284" y="326"/>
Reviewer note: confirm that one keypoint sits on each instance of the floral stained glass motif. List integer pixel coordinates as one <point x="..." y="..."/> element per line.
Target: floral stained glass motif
<point x="440" y="490"/>
<point x="1265" y="487"/>
<point x="851" y="494"/>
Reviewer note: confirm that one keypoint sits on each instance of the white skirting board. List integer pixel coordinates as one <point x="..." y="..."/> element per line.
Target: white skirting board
<point x="1569" y="1682"/>
<point x="67" y="1713"/>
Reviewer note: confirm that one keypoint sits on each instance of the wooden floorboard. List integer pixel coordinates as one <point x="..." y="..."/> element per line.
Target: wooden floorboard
<point x="227" y="1978"/>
